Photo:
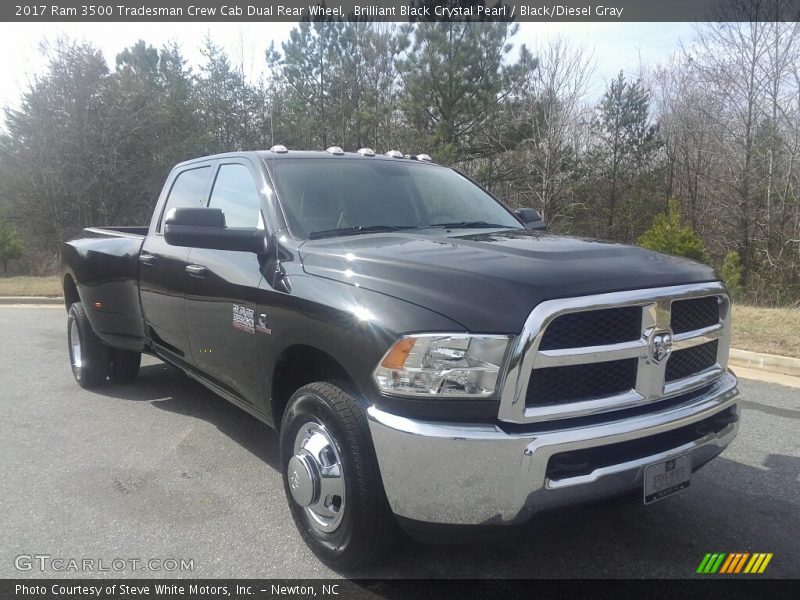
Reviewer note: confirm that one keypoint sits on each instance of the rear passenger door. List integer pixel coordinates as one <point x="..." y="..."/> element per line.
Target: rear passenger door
<point x="222" y="290"/>
<point x="162" y="275"/>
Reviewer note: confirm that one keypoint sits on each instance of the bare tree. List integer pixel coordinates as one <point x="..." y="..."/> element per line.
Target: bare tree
<point x="552" y="103"/>
<point x="748" y="71"/>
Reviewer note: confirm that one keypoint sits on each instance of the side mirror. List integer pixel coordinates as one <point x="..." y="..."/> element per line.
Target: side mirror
<point x="531" y="218"/>
<point x="205" y="228"/>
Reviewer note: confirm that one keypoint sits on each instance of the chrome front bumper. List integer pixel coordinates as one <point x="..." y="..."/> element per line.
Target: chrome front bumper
<point x="470" y="474"/>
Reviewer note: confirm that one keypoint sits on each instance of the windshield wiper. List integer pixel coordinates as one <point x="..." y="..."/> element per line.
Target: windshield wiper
<point x="470" y="225"/>
<point x="357" y="230"/>
<point x="362" y="229"/>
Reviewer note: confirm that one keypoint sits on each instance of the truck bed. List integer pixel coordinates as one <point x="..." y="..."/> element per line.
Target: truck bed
<point x="104" y="266"/>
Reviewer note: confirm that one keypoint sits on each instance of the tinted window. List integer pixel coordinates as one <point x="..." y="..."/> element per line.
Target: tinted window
<point x="447" y="199"/>
<point x="324" y="194"/>
<point x="236" y="194"/>
<point x="189" y="190"/>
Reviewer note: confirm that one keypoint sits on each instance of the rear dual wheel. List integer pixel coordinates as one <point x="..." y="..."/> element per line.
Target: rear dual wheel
<point x="91" y="360"/>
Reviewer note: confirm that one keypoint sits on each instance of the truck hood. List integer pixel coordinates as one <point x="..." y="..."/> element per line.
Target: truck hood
<point x="490" y="281"/>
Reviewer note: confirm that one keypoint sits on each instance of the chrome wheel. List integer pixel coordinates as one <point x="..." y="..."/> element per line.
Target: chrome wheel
<point x="316" y="476"/>
<point x="75" y="345"/>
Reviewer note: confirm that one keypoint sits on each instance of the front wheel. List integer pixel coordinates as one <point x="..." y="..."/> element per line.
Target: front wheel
<point x="331" y="478"/>
<point x="88" y="356"/>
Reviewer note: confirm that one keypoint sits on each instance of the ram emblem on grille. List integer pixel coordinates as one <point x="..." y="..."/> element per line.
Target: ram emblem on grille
<point x="660" y="345"/>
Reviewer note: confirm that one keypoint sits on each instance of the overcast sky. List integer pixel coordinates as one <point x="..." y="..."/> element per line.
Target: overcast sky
<point x="615" y="45"/>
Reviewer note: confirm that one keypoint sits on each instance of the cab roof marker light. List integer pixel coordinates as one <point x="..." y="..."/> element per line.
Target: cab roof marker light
<point x="394" y="154"/>
<point x="366" y="152"/>
<point x="279" y="149"/>
<point x="335" y="150"/>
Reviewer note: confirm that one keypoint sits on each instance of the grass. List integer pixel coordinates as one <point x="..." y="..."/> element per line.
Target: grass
<point x="768" y="330"/>
<point x="30" y="286"/>
<point x="757" y="329"/>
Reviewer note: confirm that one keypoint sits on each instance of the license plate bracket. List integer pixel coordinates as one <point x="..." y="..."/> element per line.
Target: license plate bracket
<point x="667" y="477"/>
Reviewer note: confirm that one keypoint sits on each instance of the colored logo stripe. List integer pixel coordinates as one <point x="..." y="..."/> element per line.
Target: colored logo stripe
<point x="711" y="562"/>
<point x="734" y="563"/>
<point x="731" y="560"/>
<point x="758" y="563"/>
<point x="721" y="562"/>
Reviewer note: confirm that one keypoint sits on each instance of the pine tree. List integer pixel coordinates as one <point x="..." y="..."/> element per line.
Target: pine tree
<point x="667" y="235"/>
<point x="453" y="77"/>
<point x="626" y="143"/>
<point x="306" y="68"/>
<point x="11" y="246"/>
<point x="732" y="274"/>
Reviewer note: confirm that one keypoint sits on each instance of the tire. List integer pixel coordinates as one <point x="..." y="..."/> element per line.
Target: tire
<point x="89" y="356"/>
<point x="363" y="528"/>
<point x="123" y="365"/>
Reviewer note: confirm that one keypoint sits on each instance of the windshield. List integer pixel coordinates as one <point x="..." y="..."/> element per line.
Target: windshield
<point x="325" y="197"/>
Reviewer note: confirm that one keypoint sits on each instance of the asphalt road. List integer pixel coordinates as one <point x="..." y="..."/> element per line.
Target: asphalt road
<point x="164" y="469"/>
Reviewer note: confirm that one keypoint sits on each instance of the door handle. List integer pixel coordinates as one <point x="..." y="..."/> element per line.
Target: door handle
<point x="196" y="270"/>
<point x="147" y="259"/>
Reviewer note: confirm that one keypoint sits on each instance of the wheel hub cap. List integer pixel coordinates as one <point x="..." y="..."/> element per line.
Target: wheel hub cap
<point x="303" y="479"/>
<point x="316" y="476"/>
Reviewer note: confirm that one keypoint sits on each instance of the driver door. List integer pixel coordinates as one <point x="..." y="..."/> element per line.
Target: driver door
<point x="222" y="290"/>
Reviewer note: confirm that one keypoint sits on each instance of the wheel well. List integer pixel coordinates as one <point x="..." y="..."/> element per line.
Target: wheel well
<point x="296" y="367"/>
<point x="70" y="292"/>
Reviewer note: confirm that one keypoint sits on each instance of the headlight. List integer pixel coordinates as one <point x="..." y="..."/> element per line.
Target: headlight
<point x="442" y="365"/>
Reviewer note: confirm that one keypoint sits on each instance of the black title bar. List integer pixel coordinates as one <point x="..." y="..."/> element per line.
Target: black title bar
<point x="400" y="10"/>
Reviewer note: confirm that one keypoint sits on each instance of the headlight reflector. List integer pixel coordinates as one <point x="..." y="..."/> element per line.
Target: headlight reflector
<point x="442" y="365"/>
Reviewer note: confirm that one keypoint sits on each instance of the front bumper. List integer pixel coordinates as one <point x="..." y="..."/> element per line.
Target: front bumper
<point x="470" y="474"/>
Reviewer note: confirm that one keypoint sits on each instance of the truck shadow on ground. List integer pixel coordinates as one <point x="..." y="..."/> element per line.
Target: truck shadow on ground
<point x="167" y="388"/>
<point x="730" y="507"/>
<point x="771" y="410"/>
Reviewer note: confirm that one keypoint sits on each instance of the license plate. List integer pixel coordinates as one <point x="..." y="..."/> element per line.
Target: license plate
<point x="667" y="477"/>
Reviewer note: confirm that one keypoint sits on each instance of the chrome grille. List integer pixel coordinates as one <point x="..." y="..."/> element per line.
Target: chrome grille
<point x="593" y="327"/>
<point x="557" y="385"/>
<point x="616" y="370"/>
<point x="694" y="313"/>
<point x="689" y="361"/>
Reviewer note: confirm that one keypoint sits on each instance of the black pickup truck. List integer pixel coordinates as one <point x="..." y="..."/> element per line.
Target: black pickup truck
<point x="430" y="358"/>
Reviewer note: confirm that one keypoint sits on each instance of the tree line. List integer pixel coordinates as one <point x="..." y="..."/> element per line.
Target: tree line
<point x="697" y="156"/>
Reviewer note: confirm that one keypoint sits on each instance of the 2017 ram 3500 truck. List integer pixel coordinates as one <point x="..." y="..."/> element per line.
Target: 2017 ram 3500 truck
<point x="427" y="358"/>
